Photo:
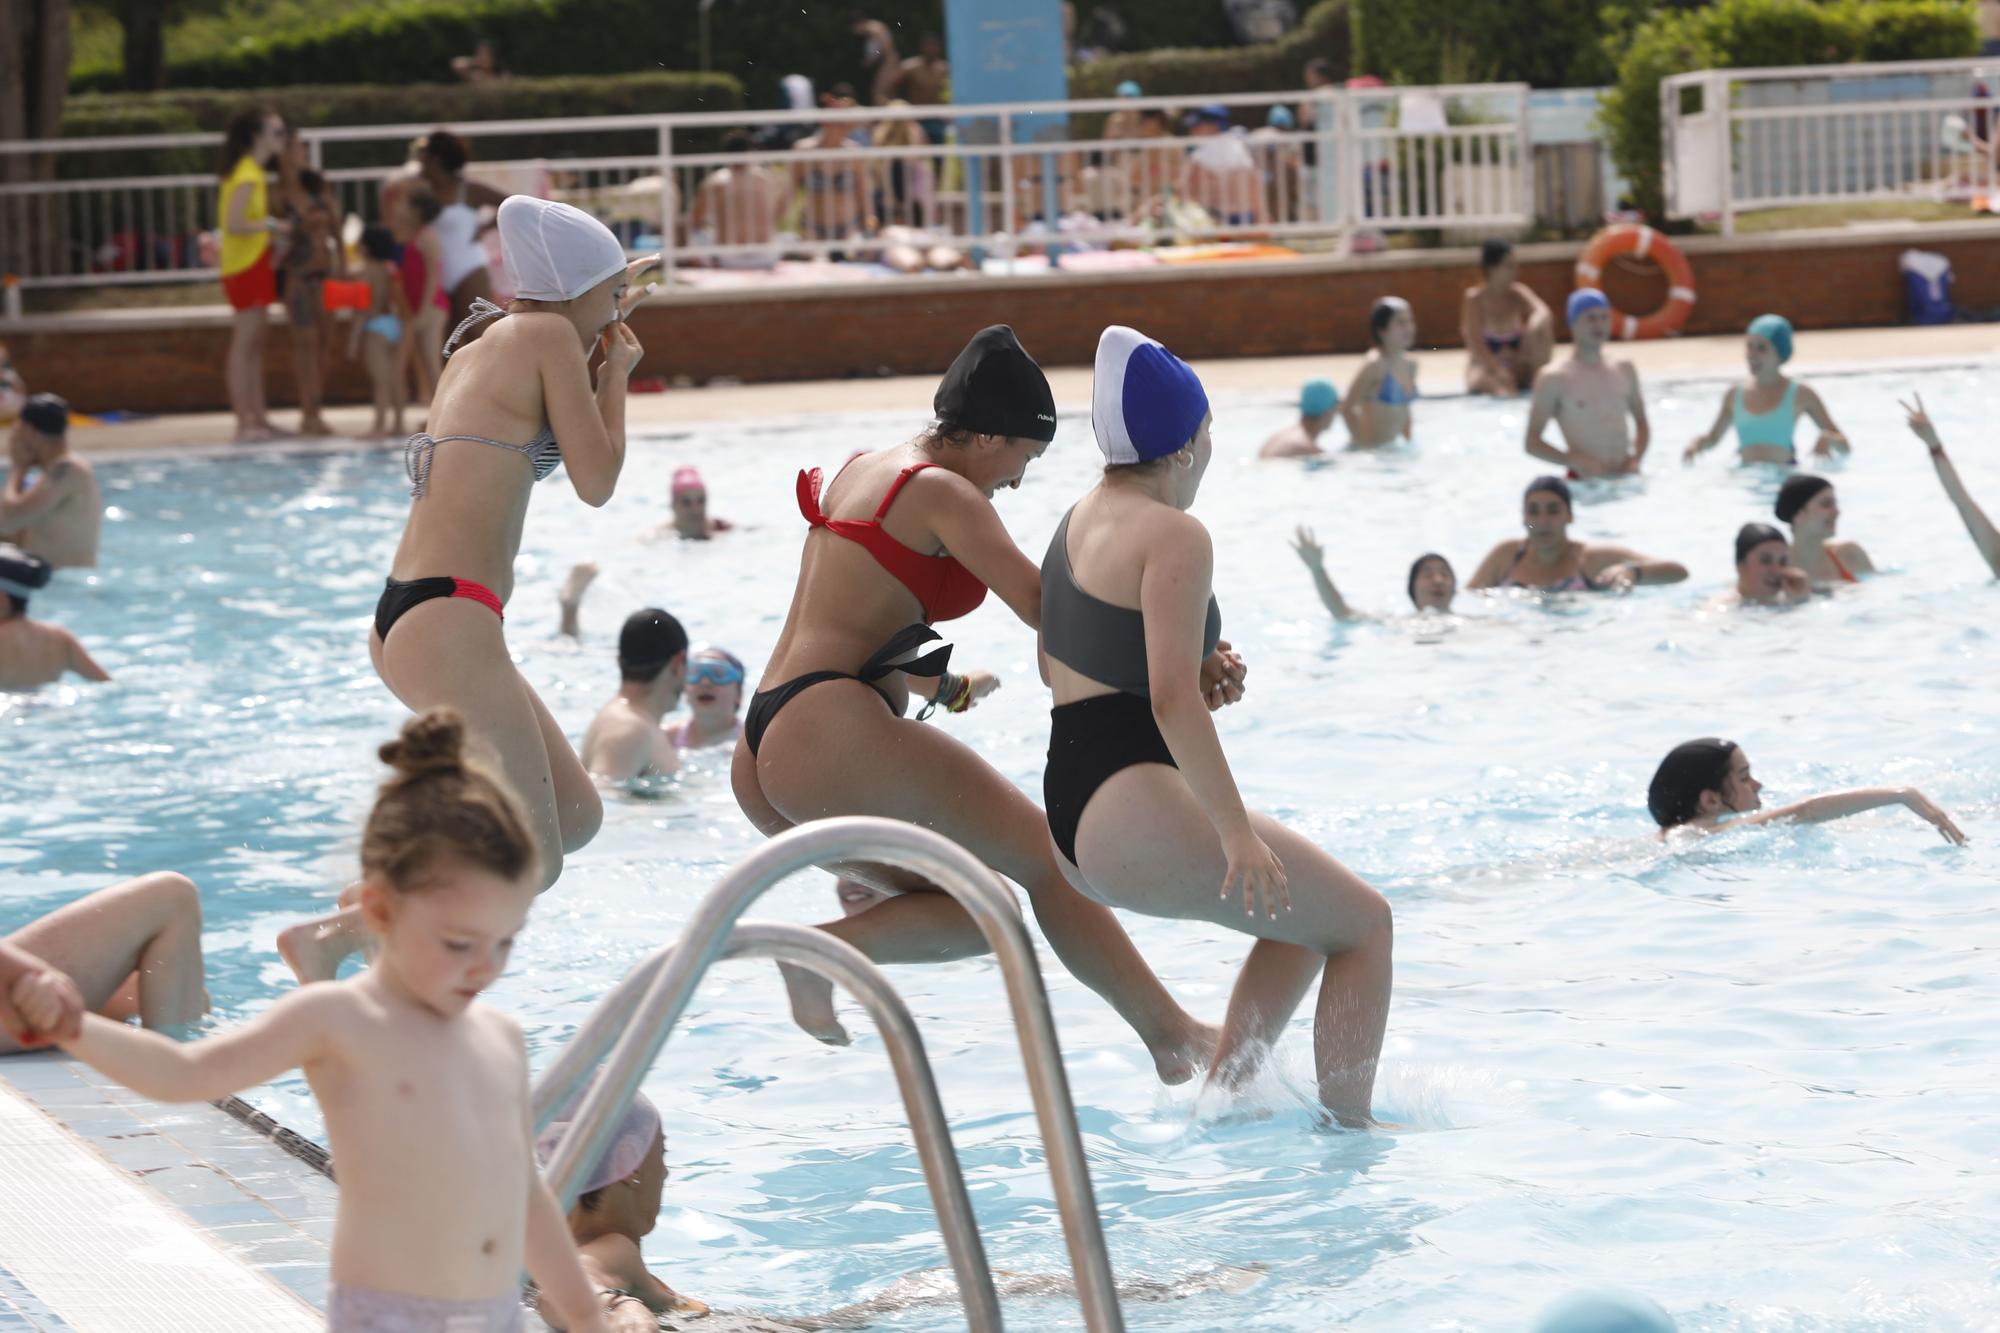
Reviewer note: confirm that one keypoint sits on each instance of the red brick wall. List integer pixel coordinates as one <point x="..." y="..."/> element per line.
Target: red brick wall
<point x="1210" y="311"/>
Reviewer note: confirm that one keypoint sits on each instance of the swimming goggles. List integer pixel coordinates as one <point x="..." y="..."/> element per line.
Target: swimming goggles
<point x="709" y="671"/>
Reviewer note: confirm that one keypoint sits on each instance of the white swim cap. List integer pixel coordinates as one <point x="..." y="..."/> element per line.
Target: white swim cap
<point x="554" y="252"/>
<point x="623" y="1156"/>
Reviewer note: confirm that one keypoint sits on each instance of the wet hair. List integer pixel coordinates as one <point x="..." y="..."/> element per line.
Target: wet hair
<point x="1688" y="770"/>
<point x="241" y="130"/>
<point x="738" y="140"/>
<point x="1798" y="492"/>
<point x="1493" y="253"/>
<point x="449" y="150"/>
<point x="1753" y="535"/>
<point x="378" y="242"/>
<point x="1384" y="310"/>
<point x="441" y="809"/>
<point x="1417" y="567"/>
<point x="1554" y="486"/>
<point x="423" y="203"/>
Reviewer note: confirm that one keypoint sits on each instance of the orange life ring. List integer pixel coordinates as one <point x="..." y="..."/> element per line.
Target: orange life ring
<point x="1628" y="238"/>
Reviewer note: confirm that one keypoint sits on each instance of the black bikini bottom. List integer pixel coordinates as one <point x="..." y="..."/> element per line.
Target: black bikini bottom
<point x="1090" y="742"/>
<point x="901" y="653"/>
<point x="400" y="595"/>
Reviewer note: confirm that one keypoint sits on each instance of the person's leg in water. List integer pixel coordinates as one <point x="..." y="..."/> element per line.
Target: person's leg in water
<point x="444" y="655"/>
<point x="1147" y="845"/>
<point x="900" y="769"/>
<point x="134" y="948"/>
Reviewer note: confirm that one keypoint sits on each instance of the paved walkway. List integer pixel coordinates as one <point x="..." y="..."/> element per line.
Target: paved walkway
<point x="1265" y="377"/>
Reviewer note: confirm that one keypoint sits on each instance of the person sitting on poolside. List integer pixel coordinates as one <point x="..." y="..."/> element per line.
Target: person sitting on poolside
<point x="690" y="499"/>
<point x="131" y="950"/>
<point x="618" y="1207"/>
<point x="1317" y="401"/>
<point x="33" y="653"/>
<point x="1548" y="561"/>
<point x="1806" y="505"/>
<point x="715" y="697"/>
<point x="58" y="516"/>
<point x="1432" y="586"/>
<point x="1377" y="406"/>
<point x="1765" y="409"/>
<point x="1979" y="527"/>
<point x="625" y="740"/>
<point x="1509" y="331"/>
<point x="1706" y="785"/>
<point x="1591" y="400"/>
<point x="1765" y="574"/>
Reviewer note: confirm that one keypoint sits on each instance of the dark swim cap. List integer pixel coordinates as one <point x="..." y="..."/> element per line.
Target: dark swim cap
<point x="650" y="639"/>
<point x="1554" y="486"/>
<point x="47" y="413"/>
<point x="995" y="388"/>
<point x="1753" y="535"/>
<point x="1688" y="770"/>
<point x="1418" y="564"/>
<point x="21" y="574"/>
<point x="1798" y="492"/>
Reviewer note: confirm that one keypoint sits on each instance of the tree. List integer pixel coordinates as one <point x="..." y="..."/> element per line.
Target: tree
<point x="34" y="77"/>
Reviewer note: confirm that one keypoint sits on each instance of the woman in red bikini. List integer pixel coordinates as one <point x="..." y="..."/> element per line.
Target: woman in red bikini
<point x="1807" y="505"/>
<point x="900" y="539"/>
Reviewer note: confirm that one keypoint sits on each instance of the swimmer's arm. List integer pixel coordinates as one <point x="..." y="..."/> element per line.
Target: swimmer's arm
<point x="79" y="660"/>
<point x="1840" y="804"/>
<point x="630" y="753"/>
<point x="1984" y="535"/>
<point x="1831" y="437"/>
<point x="1602" y="560"/>
<point x="1361" y="392"/>
<point x="1548" y="391"/>
<point x="1857" y="559"/>
<point x="550" y="1251"/>
<point x="1708" y="438"/>
<point x="970" y="528"/>
<point x="589" y="422"/>
<point x="291" y="1033"/>
<point x="1642" y="429"/>
<point x="1173" y="598"/>
<point x="20" y="506"/>
<point x="1492" y="567"/>
<point x="1314" y="559"/>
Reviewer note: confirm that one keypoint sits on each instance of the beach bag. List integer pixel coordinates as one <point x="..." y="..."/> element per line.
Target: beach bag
<point x="1926" y="287"/>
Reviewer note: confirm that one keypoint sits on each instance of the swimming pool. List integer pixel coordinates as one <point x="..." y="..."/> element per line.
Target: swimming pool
<point x="1754" y="1080"/>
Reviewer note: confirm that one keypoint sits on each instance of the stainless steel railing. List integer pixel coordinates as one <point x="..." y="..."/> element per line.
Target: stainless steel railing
<point x="633" y="1023"/>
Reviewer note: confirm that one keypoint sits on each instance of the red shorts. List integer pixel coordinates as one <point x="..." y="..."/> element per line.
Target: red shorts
<point x="255" y="287"/>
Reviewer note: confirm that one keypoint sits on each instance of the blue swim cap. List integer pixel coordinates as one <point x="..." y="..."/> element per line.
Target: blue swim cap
<point x="1318" y="397"/>
<point x="1130" y="89"/>
<point x="1583" y="300"/>
<point x="1604" y="1312"/>
<point x="1281" y="118"/>
<point x="1777" y="331"/>
<point x="1145" y="402"/>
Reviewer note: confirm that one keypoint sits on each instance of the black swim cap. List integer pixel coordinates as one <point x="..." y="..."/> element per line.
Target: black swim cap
<point x="1753" y="535"/>
<point x="1688" y="770"/>
<point x="1418" y="564"/>
<point x="21" y="574"/>
<point x="650" y="639"/>
<point x="1798" y="492"/>
<point x="995" y="388"/>
<point x="1554" y="486"/>
<point x="47" y="413"/>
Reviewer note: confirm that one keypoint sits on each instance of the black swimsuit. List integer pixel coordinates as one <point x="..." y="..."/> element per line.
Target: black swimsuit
<point x="901" y="653"/>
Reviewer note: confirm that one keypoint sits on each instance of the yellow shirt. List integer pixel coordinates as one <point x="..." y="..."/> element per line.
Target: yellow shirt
<point x="240" y="252"/>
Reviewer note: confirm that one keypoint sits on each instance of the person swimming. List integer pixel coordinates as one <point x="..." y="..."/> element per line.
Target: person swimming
<point x="1432" y="584"/>
<point x="1378" y="402"/>
<point x="1318" y="400"/>
<point x="715" y="698"/>
<point x="1548" y="561"/>
<point x="1806" y="504"/>
<point x="33" y="652"/>
<point x="1765" y="409"/>
<point x="1765" y="574"/>
<point x="1706" y="785"/>
<point x="626" y="738"/>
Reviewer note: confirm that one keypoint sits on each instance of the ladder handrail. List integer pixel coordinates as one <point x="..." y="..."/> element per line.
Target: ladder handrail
<point x="663" y="998"/>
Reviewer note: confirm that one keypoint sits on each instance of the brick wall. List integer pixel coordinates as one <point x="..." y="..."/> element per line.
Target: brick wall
<point x="1213" y="311"/>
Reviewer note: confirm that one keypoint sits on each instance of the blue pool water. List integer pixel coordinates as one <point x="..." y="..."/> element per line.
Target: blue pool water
<point x="1753" y="1080"/>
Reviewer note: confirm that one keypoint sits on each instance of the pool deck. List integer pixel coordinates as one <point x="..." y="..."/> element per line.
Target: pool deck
<point x="1266" y="378"/>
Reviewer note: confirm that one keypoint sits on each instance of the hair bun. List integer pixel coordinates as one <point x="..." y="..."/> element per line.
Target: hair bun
<point x="431" y="742"/>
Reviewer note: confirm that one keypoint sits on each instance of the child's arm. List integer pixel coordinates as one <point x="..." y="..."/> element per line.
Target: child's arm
<point x="1707" y="439"/>
<point x="1541" y="411"/>
<point x="1642" y="429"/>
<point x="290" y="1033"/>
<point x="1309" y="551"/>
<point x="79" y="660"/>
<point x="551" y="1256"/>
<point x="1840" y="804"/>
<point x="1831" y="437"/>
<point x="37" y="1002"/>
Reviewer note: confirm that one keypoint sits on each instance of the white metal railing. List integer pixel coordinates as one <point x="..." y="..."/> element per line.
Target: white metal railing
<point x="992" y="182"/>
<point x="1738" y="140"/>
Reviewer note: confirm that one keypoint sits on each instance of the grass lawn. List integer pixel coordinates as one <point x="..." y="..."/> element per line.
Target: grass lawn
<point x="1865" y="212"/>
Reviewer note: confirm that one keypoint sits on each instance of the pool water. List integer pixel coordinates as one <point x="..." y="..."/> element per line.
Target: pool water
<point x="1753" y="1080"/>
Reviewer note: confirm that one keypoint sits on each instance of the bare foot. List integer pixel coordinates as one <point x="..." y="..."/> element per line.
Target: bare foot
<point x="812" y="1004"/>
<point x="315" y="949"/>
<point x="314" y="426"/>
<point x="1186" y="1053"/>
<point x="254" y="435"/>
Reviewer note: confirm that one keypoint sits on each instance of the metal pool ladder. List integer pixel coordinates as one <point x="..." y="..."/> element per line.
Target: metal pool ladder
<point x="629" y="1026"/>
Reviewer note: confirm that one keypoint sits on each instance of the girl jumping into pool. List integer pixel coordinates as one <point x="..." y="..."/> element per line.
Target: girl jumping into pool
<point x="1706" y="785"/>
<point x="1377" y="407"/>
<point x="899" y="540"/>
<point x="1548" y="561"/>
<point x="509" y="408"/>
<point x="1765" y="409"/>
<point x="1142" y="806"/>
<point x="425" y="1090"/>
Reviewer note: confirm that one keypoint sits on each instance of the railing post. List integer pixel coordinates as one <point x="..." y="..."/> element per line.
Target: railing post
<point x="1725" y="159"/>
<point x="1013" y="244"/>
<point x="1524" y="179"/>
<point x="669" y="209"/>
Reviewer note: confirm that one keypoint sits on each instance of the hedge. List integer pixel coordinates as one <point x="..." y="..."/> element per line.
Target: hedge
<point x="1269" y="67"/>
<point x="1546" y="43"/>
<point x="758" y="41"/>
<point x="1750" y="33"/>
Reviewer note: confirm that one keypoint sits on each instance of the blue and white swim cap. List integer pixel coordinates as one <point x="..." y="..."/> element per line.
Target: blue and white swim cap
<point x="1145" y="402"/>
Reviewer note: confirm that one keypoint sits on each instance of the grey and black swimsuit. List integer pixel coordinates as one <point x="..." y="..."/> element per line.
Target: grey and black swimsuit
<point x="1094" y="739"/>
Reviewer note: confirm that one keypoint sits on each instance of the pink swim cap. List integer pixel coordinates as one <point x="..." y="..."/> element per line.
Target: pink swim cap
<point x="687" y="479"/>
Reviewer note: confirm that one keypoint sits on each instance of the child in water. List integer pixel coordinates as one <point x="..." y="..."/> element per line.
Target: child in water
<point x="425" y="1090"/>
<point x="1764" y="410"/>
<point x="381" y="330"/>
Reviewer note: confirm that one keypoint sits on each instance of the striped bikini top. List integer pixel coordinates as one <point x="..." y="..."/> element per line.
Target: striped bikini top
<point x="544" y="455"/>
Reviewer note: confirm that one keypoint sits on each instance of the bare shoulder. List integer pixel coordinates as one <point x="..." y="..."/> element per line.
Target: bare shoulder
<point x="1180" y="533"/>
<point x="500" y="1028"/>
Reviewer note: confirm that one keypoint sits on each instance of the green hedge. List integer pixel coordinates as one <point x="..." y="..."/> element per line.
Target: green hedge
<point x="1270" y="67"/>
<point x="1750" y="33"/>
<point x="1547" y="43"/>
<point x="758" y="41"/>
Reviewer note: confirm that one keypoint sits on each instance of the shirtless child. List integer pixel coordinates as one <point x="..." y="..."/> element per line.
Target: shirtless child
<point x="33" y="653"/>
<point x="625" y="740"/>
<point x="1590" y="399"/>
<point x="58" y="514"/>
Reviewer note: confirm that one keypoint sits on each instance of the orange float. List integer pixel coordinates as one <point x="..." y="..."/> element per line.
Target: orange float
<point x="1629" y="238"/>
<point x="340" y="294"/>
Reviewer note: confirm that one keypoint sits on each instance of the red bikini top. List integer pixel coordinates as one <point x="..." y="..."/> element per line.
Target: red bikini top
<point x="944" y="588"/>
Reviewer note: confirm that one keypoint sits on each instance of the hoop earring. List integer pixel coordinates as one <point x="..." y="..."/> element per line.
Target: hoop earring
<point x="1187" y="460"/>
